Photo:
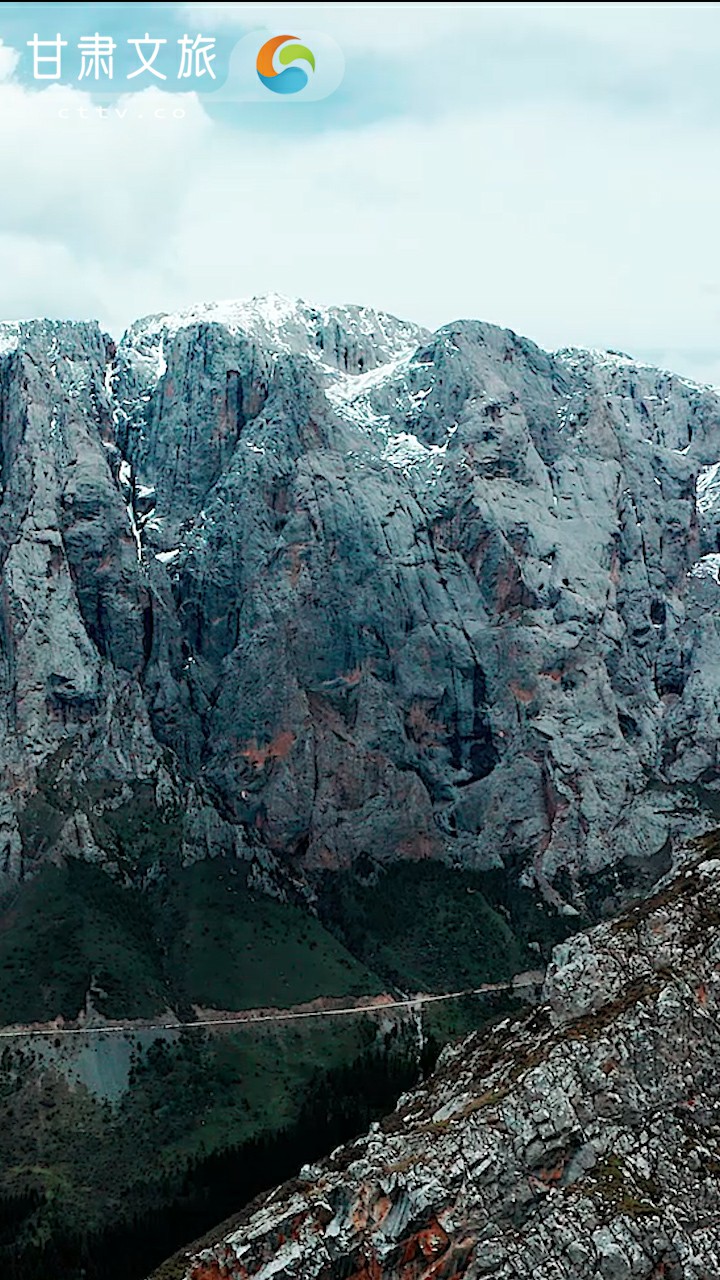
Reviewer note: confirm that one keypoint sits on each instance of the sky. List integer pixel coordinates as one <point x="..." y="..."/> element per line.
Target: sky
<point x="549" y="167"/>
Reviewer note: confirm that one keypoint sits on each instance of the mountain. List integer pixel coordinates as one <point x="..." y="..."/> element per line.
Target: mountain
<point x="347" y="591"/>
<point x="579" y="1141"/>
<point x="338" y="660"/>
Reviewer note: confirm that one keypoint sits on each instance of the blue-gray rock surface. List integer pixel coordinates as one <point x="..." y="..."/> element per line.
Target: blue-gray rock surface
<point x="346" y="590"/>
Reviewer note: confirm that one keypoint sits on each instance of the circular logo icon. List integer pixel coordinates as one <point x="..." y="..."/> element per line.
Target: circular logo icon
<point x="292" y="79"/>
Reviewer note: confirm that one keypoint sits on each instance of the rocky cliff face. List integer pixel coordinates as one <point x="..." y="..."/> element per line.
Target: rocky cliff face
<point x="579" y="1141"/>
<point x="347" y="590"/>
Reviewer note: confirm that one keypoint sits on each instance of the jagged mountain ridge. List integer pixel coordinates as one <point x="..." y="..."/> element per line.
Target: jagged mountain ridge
<point x="348" y="590"/>
<point x="578" y="1141"/>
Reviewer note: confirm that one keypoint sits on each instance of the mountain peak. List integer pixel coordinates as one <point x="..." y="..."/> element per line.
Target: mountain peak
<point x="351" y="338"/>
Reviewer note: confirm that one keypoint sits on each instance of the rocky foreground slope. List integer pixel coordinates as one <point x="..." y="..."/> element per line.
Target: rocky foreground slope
<point x="341" y="591"/>
<point x="578" y="1142"/>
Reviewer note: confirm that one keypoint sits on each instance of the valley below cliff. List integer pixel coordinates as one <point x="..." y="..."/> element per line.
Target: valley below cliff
<point x="341" y="661"/>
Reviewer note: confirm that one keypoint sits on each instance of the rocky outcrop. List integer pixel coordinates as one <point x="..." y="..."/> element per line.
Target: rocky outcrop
<point x="578" y="1141"/>
<point x="346" y="590"/>
<point x="73" y="590"/>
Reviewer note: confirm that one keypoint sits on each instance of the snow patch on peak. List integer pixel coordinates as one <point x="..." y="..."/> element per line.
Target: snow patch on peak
<point x="9" y="336"/>
<point x="161" y="361"/>
<point x="403" y="450"/>
<point x="707" y="567"/>
<point x="708" y="488"/>
<point x="583" y="359"/>
<point x="262" y="317"/>
<point x="348" y="338"/>
<point x="349" y="389"/>
<point x="380" y="401"/>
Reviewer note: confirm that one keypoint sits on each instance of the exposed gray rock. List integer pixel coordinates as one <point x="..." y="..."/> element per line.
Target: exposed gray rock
<point x="343" y="588"/>
<point x="577" y="1142"/>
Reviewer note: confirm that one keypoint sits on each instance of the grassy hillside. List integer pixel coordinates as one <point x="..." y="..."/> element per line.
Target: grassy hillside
<point x="236" y="949"/>
<point x="428" y="927"/>
<point x="72" y="928"/>
<point x="199" y="936"/>
<point x="87" y="1189"/>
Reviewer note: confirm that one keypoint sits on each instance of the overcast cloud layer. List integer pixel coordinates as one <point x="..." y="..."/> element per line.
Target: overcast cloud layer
<point x="548" y="167"/>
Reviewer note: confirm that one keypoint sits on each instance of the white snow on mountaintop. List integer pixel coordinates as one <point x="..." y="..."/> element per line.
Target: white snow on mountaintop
<point x="586" y="358"/>
<point x="286" y="325"/>
<point x="291" y="325"/>
<point x="708" y="488"/>
<point x="352" y="398"/>
<point x="9" y="336"/>
<point x="348" y="391"/>
<point x="706" y="567"/>
<point x="403" y="450"/>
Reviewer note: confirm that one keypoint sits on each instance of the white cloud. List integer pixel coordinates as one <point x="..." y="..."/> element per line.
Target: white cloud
<point x="76" y="177"/>
<point x="567" y="229"/>
<point x="361" y="28"/>
<point x="396" y="29"/>
<point x="89" y="201"/>
<point x="9" y="59"/>
<point x="573" y="223"/>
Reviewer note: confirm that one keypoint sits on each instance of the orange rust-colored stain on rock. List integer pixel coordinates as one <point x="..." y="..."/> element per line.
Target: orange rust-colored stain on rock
<point x="409" y="1252"/>
<point x="440" y="1270"/>
<point x="370" y="1271"/>
<point x="522" y="695"/>
<point x="432" y="1241"/>
<point x="425" y="1244"/>
<point x="323" y="858"/>
<point x="353" y="677"/>
<point x="458" y="1259"/>
<point x="551" y="1175"/>
<point x="295" y="1225"/>
<point x="381" y="1208"/>
<point x="418" y="848"/>
<point x="208" y="1271"/>
<point x="278" y="749"/>
<point x="702" y="994"/>
<point x="223" y="426"/>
